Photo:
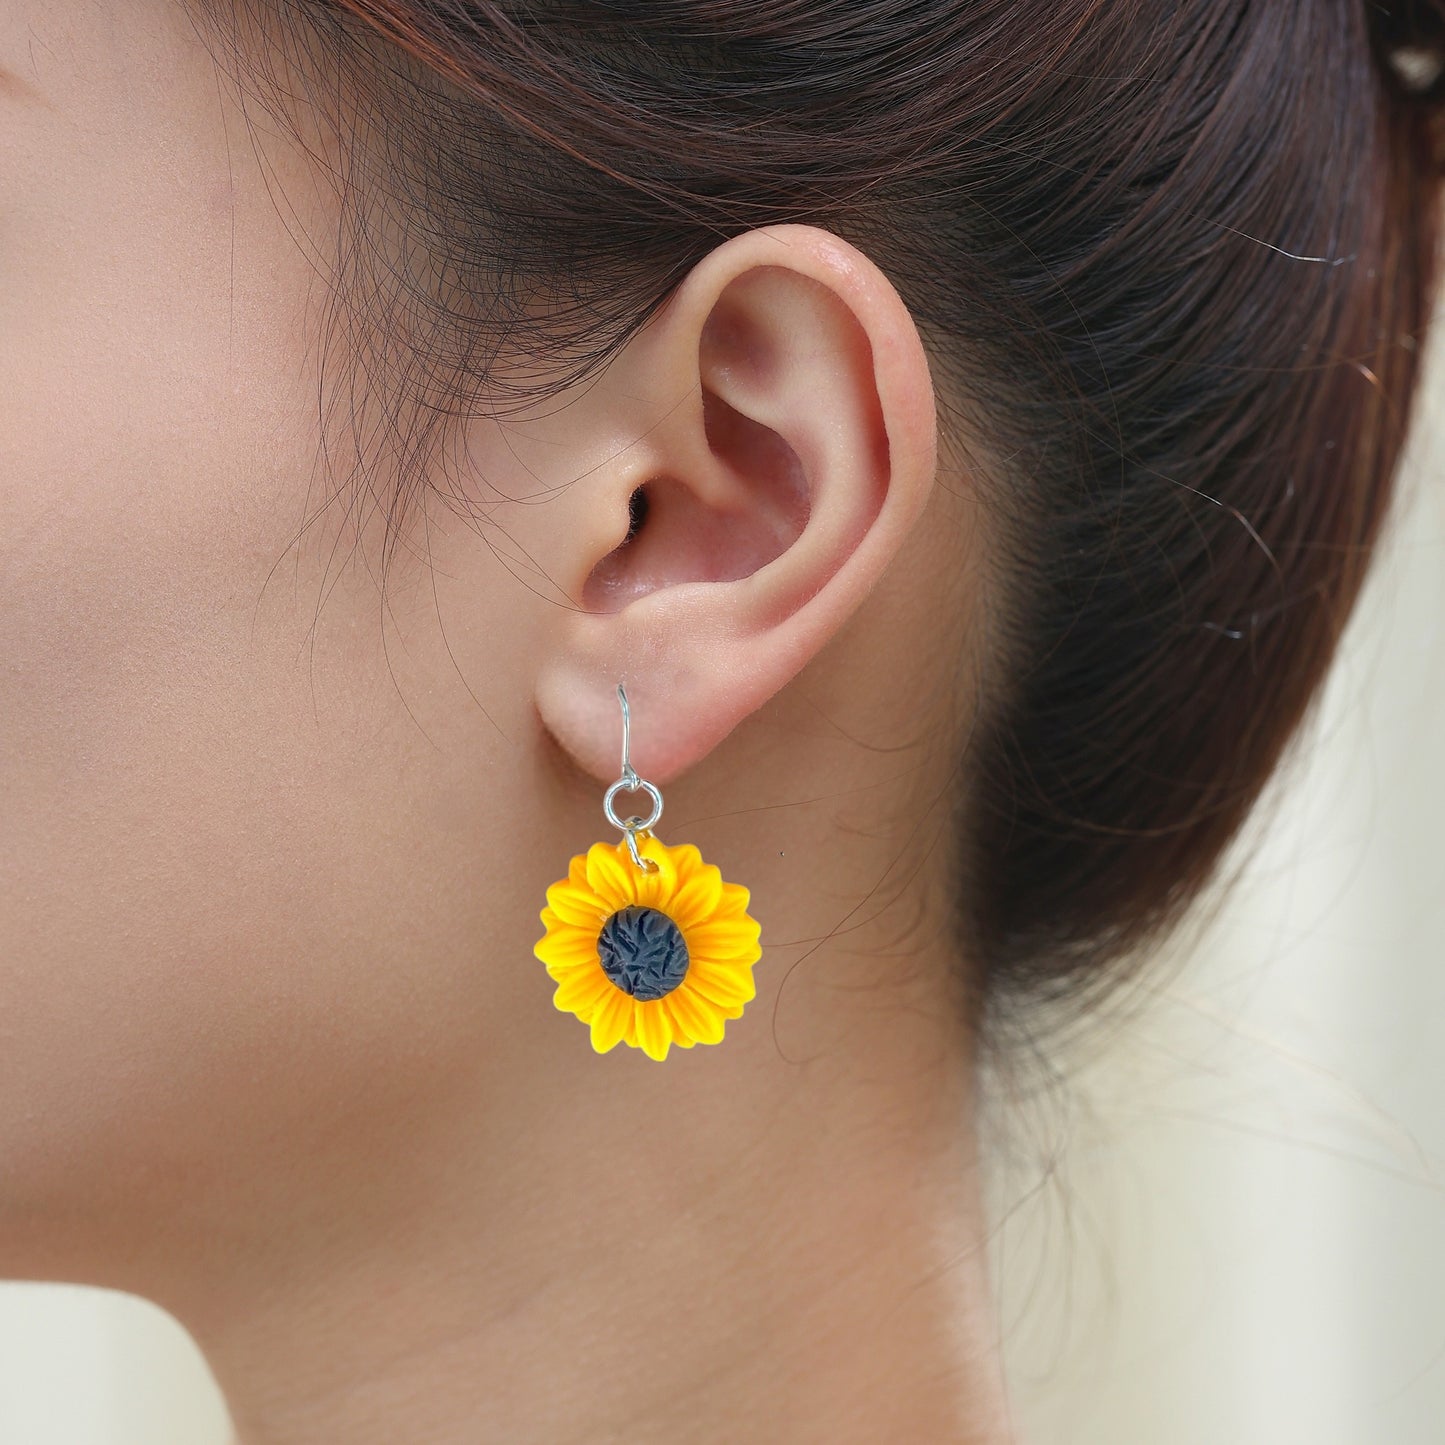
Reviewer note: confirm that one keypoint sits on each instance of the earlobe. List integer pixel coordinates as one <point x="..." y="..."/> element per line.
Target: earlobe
<point x="792" y="450"/>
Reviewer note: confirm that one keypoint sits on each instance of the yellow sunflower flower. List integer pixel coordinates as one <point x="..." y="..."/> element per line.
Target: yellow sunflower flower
<point x="649" y="959"/>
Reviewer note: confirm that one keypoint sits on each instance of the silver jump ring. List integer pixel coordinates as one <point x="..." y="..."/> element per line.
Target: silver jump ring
<point x="630" y="782"/>
<point x="640" y="786"/>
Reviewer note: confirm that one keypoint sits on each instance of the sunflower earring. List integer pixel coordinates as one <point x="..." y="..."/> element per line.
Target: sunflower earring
<point x="647" y="945"/>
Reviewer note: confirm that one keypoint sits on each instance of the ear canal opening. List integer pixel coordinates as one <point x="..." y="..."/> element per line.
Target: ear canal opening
<point x="745" y="512"/>
<point x="637" y="509"/>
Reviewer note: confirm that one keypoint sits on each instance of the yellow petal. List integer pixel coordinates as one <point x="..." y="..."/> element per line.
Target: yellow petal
<point x="734" y="899"/>
<point x="577" y="872"/>
<point x="687" y="860"/>
<point x="694" y="1016"/>
<point x="629" y="1018"/>
<point x="724" y="986"/>
<point x="566" y="946"/>
<point x="680" y="1036"/>
<point x="612" y="1021"/>
<point x="654" y="1028"/>
<point x="611" y="877"/>
<point x="697" y="899"/>
<point x="580" y="907"/>
<point x="652" y="890"/>
<point x="727" y="940"/>
<point x="582" y="990"/>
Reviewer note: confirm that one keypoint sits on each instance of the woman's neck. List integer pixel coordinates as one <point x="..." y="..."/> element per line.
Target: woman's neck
<point x="770" y="1251"/>
<point x="779" y="1238"/>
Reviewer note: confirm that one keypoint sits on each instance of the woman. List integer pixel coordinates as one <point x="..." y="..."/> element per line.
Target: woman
<point x="942" y="442"/>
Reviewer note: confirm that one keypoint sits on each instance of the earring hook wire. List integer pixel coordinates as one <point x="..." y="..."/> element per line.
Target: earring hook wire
<point x="630" y="782"/>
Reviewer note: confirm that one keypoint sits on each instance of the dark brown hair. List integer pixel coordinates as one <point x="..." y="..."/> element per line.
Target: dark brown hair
<point x="1173" y="263"/>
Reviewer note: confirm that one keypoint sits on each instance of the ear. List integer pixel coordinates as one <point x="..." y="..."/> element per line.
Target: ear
<point x="784" y="443"/>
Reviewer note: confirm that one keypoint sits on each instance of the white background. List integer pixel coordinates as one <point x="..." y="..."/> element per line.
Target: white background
<point x="1229" y="1224"/>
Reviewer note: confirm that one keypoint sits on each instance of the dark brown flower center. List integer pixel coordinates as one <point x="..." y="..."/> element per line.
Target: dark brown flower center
<point x="642" y="951"/>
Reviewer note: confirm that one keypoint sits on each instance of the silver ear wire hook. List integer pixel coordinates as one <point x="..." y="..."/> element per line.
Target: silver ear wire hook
<point x="632" y="784"/>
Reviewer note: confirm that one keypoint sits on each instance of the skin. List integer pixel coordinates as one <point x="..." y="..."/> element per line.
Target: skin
<point x="274" y="1048"/>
